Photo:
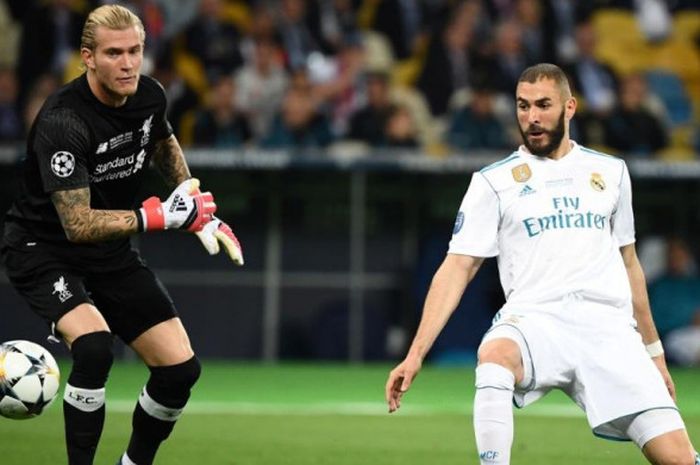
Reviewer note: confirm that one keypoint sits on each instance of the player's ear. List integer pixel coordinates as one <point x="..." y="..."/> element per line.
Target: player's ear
<point x="570" y="107"/>
<point x="88" y="57"/>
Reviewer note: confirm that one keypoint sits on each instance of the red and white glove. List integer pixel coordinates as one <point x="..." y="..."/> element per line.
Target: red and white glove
<point x="186" y="208"/>
<point x="215" y="232"/>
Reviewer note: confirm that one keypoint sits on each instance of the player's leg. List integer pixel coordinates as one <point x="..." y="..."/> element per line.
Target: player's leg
<point x="671" y="448"/>
<point x="661" y="435"/>
<point x="165" y="348"/>
<point x="140" y="311"/>
<point x="59" y="297"/>
<point x="500" y="369"/>
<point x="87" y="335"/>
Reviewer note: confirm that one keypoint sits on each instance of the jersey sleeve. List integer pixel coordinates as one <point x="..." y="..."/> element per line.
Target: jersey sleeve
<point x="623" y="218"/>
<point x="62" y="144"/>
<point x="476" y="227"/>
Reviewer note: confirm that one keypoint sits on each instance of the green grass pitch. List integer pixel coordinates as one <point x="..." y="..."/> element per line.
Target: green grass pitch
<point x="332" y="415"/>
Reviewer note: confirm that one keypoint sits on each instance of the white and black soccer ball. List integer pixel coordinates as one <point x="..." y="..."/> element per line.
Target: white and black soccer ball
<point x="29" y="379"/>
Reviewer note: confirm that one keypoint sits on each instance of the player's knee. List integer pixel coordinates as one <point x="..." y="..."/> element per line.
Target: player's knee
<point x="171" y="385"/>
<point x="502" y="352"/>
<point x="92" y="359"/>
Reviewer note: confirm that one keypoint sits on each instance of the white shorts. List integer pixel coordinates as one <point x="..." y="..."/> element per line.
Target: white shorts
<point x="591" y="352"/>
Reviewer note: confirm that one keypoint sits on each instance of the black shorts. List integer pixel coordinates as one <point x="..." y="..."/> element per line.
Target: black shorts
<point x="125" y="291"/>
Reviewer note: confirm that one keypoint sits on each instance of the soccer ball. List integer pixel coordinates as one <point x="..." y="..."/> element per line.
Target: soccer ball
<point x="29" y="379"/>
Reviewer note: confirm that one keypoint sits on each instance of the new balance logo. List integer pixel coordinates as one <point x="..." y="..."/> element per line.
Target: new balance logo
<point x="178" y="204"/>
<point x="527" y="190"/>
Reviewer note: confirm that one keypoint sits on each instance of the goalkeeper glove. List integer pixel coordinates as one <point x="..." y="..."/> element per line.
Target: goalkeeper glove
<point x="217" y="231"/>
<point x="186" y="208"/>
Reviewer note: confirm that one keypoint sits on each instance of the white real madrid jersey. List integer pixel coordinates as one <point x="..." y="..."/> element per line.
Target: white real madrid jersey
<point x="555" y="225"/>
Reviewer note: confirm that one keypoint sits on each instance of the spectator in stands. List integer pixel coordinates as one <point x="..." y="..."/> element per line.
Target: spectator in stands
<point x="510" y="57"/>
<point x="299" y="125"/>
<point x="400" y="130"/>
<point x="632" y="128"/>
<point x="675" y="303"/>
<point x="262" y="26"/>
<point x="50" y="34"/>
<point x="297" y="39"/>
<point x="368" y="123"/>
<point x="260" y="85"/>
<point x="594" y="81"/>
<point x="179" y="14"/>
<point x="401" y="21"/>
<point x="333" y="23"/>
<point x="558" y="25"/>
<point x="449" y="63"/>
<point x="220" y="125"/>
<point x="529" y="14"/>
<point x="182" y="99"/>
<point x="214" y="41"/>
<point x="10" y="120"/>
<point x="475" y="126"/>
<point x="339" y="89"/>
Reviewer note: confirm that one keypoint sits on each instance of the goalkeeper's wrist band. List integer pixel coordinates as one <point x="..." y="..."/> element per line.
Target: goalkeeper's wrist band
<point x="140" y="227"/>
<point x="151" y="215"/>
<point x="655" y="349"/>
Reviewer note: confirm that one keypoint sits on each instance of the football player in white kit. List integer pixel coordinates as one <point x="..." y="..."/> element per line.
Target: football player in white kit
<point x="559" y="218"/>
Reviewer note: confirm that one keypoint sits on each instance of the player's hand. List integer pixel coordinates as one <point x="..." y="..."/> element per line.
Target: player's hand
<point x="400" y="379"/>
<point x="186" y="208"/>
<point x="660" y="363"/>
<point x="217" y="232"/>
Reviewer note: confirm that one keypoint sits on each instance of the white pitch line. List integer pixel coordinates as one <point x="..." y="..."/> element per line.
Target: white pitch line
<point x="338" y="408"/>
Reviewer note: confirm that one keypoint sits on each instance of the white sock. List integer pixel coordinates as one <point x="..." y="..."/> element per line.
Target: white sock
<point x="493" y="413"/>
<point x="126" y="460"/>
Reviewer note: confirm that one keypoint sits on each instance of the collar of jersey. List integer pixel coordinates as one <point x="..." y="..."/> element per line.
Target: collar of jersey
<point x="570" y="155"/>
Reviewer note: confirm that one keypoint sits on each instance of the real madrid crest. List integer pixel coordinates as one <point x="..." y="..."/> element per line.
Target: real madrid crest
<point x="597" y="182"/>
<point x="521" y="173"/>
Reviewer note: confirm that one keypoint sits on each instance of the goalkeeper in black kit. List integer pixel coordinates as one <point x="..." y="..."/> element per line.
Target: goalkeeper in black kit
<point x="66" y="244"/>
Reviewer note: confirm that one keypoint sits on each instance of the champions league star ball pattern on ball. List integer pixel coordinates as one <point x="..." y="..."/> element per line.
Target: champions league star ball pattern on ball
<point x="29" y="379"/>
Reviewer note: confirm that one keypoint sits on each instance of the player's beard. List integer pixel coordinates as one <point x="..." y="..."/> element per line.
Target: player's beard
<point x="555" y="137"/>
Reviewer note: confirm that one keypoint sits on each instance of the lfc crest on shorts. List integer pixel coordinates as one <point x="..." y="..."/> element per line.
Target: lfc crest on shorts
<point x="60" y="287"/>
<point x="521" y="173"/>
<point x="597" y="182"/>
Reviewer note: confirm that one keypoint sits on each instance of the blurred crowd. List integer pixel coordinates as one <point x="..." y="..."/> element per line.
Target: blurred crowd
<point x="433" y="75"/>
<point x="671" y="269"/>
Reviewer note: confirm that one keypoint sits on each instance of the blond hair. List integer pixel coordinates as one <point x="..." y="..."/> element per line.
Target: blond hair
<point x="112" y="17"/>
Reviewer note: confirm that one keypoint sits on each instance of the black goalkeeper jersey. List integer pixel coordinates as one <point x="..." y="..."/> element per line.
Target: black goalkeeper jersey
<point x="77" y="141"/>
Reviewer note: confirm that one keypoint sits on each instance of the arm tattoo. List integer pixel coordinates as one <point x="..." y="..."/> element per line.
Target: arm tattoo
<point x="83" y="224"/>
<point x="170" y="161"/>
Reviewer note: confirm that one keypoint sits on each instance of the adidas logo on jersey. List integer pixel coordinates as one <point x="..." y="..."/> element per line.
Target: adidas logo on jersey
<point x="178" y="204"/>
<point x="527" y="190"/>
